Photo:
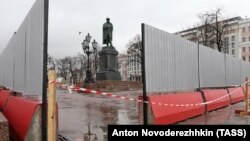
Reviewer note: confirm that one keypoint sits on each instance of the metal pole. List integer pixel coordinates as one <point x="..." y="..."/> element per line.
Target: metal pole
<point x="87" y="79"/>
<point x="88" y="58"/>
<point x="145" y="108"/>
<point x="247" y="95"/>
<point x="95" y="63"/>
<point x="199" y="79"/>
<point x="45" y="77"/>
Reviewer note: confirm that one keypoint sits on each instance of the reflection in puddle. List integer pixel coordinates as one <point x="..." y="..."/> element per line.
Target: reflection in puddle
<point x="89" y="136"/>
<point x="122" y="117"/>
<point x="84" y="118"/>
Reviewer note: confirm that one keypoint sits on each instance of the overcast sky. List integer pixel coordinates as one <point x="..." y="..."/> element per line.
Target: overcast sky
<point x="68" y="17"/>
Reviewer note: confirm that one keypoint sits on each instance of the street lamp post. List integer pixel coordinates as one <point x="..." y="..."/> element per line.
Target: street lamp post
<point x="96" y="62"/>
<point x="88" y="51"/>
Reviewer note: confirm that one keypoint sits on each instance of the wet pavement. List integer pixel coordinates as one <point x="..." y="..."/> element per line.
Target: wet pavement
<point x="84" y="117"/>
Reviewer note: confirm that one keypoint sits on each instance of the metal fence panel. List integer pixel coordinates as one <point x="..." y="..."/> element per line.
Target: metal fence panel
<point x="1" y="71"/>
<point x="9" y="65"/>
<point x="2" y="67"/>
<point x="158" y="56"/>
<point x="19" y="61"/>
<point x="34" y="49"/>
<point x="165" y="67"/>
<point x="212" y="68"/>
<point x="186" y="64"/>
<point x="3" y="63"/>
<point x="248" y="70"/>
<point x="245" y="70"/>
<point x="172" y="64"/>
<point x="22" y="59"/>
<point x="233" y="71"/>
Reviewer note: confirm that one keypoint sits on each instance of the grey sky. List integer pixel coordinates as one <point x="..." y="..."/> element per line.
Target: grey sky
<point x="68" y="17"/>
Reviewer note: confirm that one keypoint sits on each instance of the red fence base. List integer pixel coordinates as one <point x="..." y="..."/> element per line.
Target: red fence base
<point x="171" y="114"/>
<point x="19" y="113"/>
<point x="238" y="96"/>
<point x="4" y="94"/>
<point x="213" y="94"/>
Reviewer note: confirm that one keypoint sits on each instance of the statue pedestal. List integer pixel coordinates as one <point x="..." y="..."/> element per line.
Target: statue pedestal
<point x="108" y="64"/>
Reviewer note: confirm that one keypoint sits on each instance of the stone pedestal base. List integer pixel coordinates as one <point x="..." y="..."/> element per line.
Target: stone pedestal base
<point x="114" y="85"/>
<point x="108" y="75"/>
<point x="89" y="77"/>
<point x="108" y="64"/>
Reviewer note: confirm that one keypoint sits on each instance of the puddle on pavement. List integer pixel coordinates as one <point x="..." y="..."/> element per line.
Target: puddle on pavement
<point x="86" y="118"/>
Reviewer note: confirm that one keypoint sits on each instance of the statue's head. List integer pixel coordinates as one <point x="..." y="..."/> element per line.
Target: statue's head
<point x="108" y="19"/>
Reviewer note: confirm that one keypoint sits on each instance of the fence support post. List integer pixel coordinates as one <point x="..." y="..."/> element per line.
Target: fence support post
<point x="246" y="111"/>
<point x="52" y="112"/>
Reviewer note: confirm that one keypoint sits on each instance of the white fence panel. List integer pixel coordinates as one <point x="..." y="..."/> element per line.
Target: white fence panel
<point x="233" y="71"/>
<point x="22" y="59"/>
<point x="212" y="68"/>
<point x="170" y="62"/>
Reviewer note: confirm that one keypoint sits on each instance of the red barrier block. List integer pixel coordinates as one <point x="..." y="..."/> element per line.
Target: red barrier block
<point x="4" y="94"/>
<point x="237" y="96"/>
<point x="172" y="114"/>
<point x="214" y="94"/>
<point x="19" y="112"/>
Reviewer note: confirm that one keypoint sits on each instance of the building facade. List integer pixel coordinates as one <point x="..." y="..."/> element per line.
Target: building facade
<point x="231" y="39"/>
<point x="134" y="64"/>
<point x="123" y="66"/>
<point x="236" y="39"/>
<point x="244" y="39"/>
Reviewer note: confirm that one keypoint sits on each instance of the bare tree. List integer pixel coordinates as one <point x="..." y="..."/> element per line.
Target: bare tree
<point x="93" y="61"/>
<point x="204" y="32"/>
<point x="219" y="27"/>
<point x="76" y="68"/>
<point x="135" y="49"/>
<point x="81" y="66"/>
<point x="51" y="62"/>
<point x="72" y="62"/>
<point x="135" y="53"/>
<point x="71" y="68"/>
<point x="62" y="67"/>
<point x="211" y="29"/>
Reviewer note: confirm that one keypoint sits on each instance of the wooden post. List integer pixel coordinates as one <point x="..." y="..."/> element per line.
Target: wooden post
<point x="246" y="111"/>
<point x="52" y="112"/>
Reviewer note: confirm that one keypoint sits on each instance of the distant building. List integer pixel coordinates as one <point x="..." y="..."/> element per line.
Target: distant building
<point x="244" y="39"/>
<point x="134" y="64"/>
<point x="236" y="40"/>
<point x="231" y="38"/>
<point x="123" y="66"/>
